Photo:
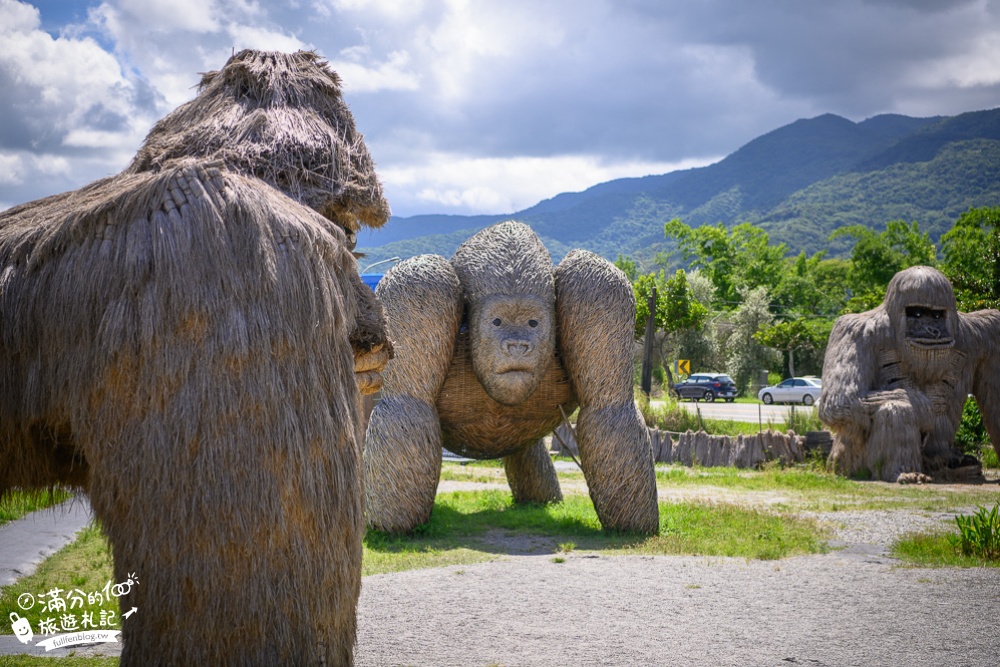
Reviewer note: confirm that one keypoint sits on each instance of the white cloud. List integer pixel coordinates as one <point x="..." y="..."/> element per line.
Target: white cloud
<point x="360" y="74"/>
<point x="471" y="106"/>
<point x="171" y="15"/>
<point x="15" y="168"/>
<point x="253" y="37"/>
<point x="68" y="114"/>
<point x="394" y="10"/>
<point x="18" y="17"/>
<point x="464" y="184"/>
<point x="10" y="169"/>
<point x="979" y="65"/>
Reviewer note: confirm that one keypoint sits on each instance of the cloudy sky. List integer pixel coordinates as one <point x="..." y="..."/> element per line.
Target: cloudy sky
<point x="488" y="106"/>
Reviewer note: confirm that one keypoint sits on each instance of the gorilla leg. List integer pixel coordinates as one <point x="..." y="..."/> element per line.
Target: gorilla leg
<point x="595" y="311"/>
<point x="847" y="456"/>
<point x="531" y="475"/>
<point x="423" y="303"/>
<point x="894" y="442"/>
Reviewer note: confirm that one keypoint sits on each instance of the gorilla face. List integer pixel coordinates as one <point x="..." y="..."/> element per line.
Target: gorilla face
<point x="513" y="340"/>
<point x="927" y="326"/>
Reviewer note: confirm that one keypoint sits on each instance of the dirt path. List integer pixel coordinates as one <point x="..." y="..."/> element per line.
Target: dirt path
<point x="851" y="607"/>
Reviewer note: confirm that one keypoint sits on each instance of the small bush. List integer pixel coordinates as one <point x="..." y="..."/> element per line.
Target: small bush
<point x="971" y="435"/>
<point x="803" y="419"/>
<point x="979" y="533"/>
<point x="668" y="416"/>
<point x="988" y="456"/>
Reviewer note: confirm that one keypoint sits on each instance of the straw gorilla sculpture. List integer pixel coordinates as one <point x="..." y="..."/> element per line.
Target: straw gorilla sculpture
<point x="895" y="379"/>
<point x="186" y="341"/>
<point x="488" y="347"/>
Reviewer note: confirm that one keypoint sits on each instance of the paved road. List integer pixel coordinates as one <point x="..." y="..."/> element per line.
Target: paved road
<point x="743" y="412"/>
<point x="28" y="541"/>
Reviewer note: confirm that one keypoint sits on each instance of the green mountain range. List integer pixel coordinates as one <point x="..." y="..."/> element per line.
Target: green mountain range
<point x="799" y="182"/>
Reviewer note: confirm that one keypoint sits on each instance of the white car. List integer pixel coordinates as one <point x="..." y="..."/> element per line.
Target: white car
<point x="793" y="390"/>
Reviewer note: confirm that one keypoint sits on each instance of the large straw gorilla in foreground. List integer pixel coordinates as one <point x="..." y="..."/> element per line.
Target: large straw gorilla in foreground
<point x="185" y="342"/>
<point x="895" y="380"/>
<point x="488" y="347"/>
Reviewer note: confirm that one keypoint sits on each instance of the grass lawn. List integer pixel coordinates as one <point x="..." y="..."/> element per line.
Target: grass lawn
<point x="752" y="514"/>
<point x="69" y="661"/>
<point x="472" y="526"/>
<point x="84" y="565"/>
<point x="19" y="502"/>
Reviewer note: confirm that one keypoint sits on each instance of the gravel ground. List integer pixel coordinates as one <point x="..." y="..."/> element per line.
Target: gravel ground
<point x="853" y="606"/>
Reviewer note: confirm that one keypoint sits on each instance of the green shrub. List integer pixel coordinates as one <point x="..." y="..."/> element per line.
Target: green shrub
<point x="971" y="433"/>
<point x="667" y="416"/>
<point x="988" y="456"/>
<point x="979" y="533"/>
<point x="803" y="419"/>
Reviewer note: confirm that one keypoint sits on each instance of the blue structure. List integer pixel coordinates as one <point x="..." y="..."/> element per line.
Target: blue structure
<point x="371" y="279"/>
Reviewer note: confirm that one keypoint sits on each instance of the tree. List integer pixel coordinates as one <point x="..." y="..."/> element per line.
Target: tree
<point x="679" y="319"/>
<point x="736" y="343"/>
<point x="737" y="259"/>
<point x="812" y="286"/>
<point x="789" y="336"/>
<point x="628" y="267"/>
<point x="682" y="310"/>
<point x="971" y="253"/>
<point x="877" y="256"/>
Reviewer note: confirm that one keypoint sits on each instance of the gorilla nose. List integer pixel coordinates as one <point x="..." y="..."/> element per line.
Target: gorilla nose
<point x="517" y="347"/>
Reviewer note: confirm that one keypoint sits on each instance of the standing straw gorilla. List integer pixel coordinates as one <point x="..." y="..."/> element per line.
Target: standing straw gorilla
<point x="488" y="347"/>
<point x="185" y="341"/>
<point x="895" y="379"/>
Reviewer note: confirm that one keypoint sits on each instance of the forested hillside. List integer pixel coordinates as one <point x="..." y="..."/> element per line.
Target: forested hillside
<point x="799" y="183"/>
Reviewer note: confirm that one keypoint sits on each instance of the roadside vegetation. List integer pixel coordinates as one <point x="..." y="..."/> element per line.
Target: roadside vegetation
<point x="976" y="544"/>
<point x="19" y="502"/>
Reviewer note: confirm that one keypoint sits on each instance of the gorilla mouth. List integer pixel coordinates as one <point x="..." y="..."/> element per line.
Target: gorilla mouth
<point x="508" y="369"/>
<point x="932" y="342"/>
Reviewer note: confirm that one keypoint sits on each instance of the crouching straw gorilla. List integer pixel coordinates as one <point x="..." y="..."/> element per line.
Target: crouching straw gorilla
<point x="895" y="379"/>
<point x="488" y="347"/>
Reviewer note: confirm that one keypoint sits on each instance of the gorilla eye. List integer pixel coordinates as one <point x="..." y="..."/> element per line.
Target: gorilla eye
<point x="497" y="322"/>
<point x="532" y="323"/>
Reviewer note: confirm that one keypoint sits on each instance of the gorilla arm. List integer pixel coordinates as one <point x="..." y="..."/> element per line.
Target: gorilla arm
<point x="985" y="325"/>
<point x="848" y="375"/>
<point x="423" y="301"/>
<point x="595" y="314"/>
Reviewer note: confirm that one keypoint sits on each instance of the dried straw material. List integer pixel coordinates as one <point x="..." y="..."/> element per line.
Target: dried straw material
<point x="176" y="343"/>
<point x="895" y="379"/>
<point x="186" y="342"/>
<point x="279" y="117"/>
<point x="490" y="348"/>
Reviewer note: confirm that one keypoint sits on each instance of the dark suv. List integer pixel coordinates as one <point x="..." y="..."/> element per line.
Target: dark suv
<point x="707" y="386"/>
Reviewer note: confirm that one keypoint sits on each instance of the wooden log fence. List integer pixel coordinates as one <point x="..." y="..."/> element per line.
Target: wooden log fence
<point x="700" y="448"/>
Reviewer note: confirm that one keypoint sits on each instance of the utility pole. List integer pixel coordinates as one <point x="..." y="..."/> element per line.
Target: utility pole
<point x="647" y="352"/>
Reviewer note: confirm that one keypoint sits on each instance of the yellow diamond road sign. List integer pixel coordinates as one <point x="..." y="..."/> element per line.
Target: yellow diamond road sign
<point x="684" y="366"/>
